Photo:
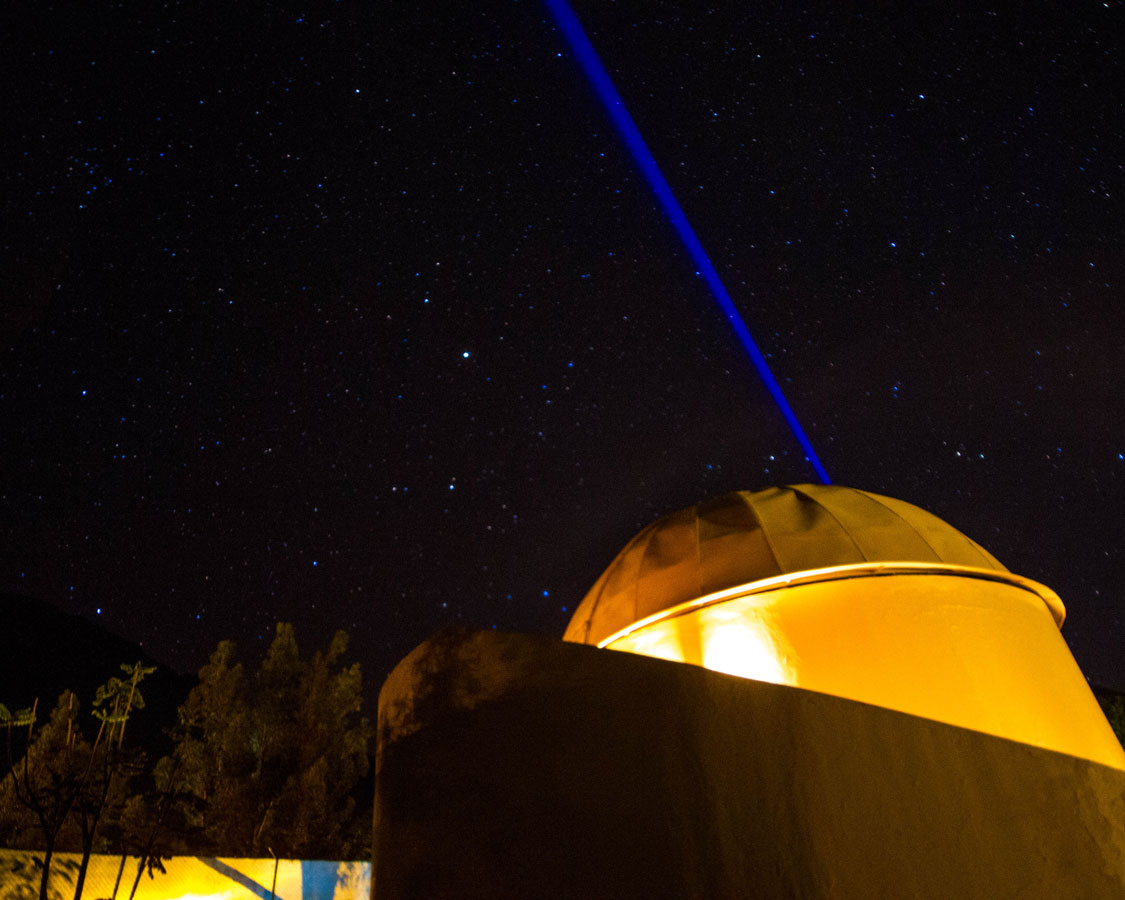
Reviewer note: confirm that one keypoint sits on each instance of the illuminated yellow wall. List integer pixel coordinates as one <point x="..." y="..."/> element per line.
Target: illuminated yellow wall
<point x="187" y="878"/>
<point x="969" y="651"/>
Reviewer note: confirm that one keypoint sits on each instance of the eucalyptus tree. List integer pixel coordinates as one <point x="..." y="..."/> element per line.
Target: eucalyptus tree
<point x="47" y="779"/>
<point x="274" y="758"/>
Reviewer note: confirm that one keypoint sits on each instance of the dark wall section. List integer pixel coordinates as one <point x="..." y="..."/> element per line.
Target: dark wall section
<point x="514" y="767"/>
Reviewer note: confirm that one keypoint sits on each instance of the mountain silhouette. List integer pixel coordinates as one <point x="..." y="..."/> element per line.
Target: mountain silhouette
<point x="46" y="651"/>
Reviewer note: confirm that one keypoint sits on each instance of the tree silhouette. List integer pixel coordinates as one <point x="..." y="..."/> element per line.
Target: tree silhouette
<point x="61" y="776"/>
<point x="47" y="780"/>
<point x="273" y="759"/>
<point x="109" y="766"/>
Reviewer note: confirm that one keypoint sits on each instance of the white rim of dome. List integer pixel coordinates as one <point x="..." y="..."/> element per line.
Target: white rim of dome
<point x="1052" y="600"/>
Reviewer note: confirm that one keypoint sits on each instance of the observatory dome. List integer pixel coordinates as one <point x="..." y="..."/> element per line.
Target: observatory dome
<point x="845" y="592"/>
<point x="750" y="536"/>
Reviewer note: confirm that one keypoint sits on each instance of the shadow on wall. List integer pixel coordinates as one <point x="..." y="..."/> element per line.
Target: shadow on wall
<point x="186" y="876"/>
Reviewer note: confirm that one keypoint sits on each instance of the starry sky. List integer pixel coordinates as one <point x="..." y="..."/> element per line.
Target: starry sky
<point x="360" y="315"/>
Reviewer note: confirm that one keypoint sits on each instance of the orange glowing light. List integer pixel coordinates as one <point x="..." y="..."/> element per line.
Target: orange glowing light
<point x="878" y="633"/>
<point x="739" y="648"/>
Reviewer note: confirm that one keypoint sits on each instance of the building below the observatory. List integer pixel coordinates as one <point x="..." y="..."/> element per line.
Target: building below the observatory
<point x="826" y="693"/>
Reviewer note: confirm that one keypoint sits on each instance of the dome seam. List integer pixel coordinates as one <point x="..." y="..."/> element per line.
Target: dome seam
<point x="843" y="528"/>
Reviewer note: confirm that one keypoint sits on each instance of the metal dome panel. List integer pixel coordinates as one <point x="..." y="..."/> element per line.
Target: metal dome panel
<point x="746" y="536"/>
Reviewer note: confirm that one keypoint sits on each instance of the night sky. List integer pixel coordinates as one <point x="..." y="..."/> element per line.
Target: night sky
<point x="360" y="315"/>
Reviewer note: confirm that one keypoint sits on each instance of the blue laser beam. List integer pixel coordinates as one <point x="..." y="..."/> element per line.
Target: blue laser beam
<point x="603" y="86"/>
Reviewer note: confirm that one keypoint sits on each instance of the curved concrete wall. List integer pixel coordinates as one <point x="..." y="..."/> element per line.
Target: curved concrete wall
<point x="514" y="767"/>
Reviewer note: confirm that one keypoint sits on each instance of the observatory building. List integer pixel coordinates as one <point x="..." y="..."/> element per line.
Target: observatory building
<point x="824" y="693"/>
<point x="853" y="594"/>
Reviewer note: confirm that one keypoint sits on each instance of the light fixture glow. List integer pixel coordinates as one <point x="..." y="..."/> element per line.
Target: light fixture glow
<point x="739" y="648"/>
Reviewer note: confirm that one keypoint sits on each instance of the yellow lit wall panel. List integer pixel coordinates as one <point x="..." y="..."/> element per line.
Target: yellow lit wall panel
<point x="971" y="652"/>
<point x="187" y="878"/>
